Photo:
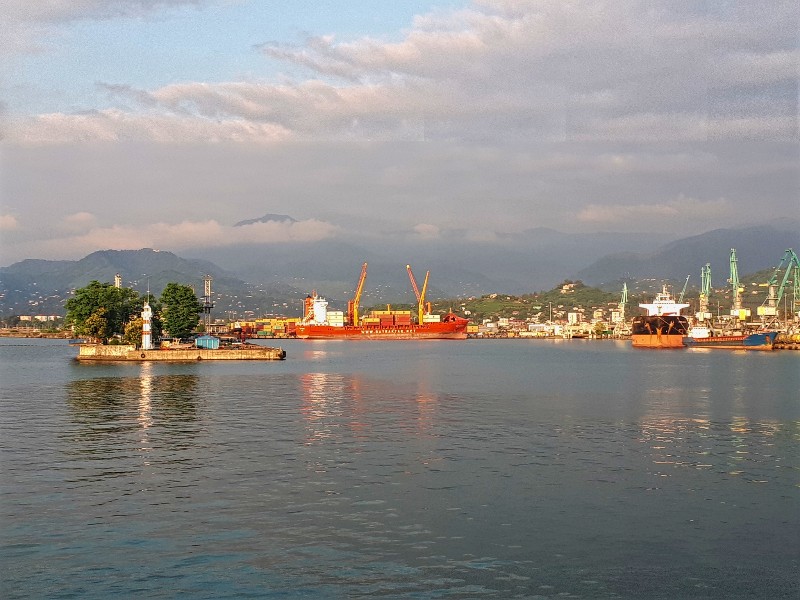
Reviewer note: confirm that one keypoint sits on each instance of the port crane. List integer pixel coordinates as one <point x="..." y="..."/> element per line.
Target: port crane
<point x="352" y="305"/>
<point x="703" y="313"/>
<point x="420" y="295"/>
<point x="683" y="291"/>
<point x="623" y="301"/>
<point x="736" y="303"/>
<point x="791" y="266"/>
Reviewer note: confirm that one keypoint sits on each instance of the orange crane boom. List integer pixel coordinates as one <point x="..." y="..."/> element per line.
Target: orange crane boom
<point x="420" y="295"/>
<point x="352" y="306"/>
<point x="413" y="281"/>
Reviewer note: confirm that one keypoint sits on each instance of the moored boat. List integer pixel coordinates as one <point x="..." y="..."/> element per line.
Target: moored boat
<point x="451" y="327"/>
<point x="750" y="341"/>
<point x="320" y="323"/>
<point x="663" y="326"/>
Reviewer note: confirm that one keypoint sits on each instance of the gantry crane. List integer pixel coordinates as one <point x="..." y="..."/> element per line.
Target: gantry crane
<point x="421" y="307"/>
<point x="352" y="305"/>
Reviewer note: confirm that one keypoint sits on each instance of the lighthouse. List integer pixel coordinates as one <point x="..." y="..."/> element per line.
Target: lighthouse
<point x="147" y="338"/>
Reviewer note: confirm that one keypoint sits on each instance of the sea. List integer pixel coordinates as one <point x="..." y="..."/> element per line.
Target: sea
<point x="432" y="469"/>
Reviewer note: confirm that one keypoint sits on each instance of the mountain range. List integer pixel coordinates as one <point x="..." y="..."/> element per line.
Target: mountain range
<point x="250" y="280"/>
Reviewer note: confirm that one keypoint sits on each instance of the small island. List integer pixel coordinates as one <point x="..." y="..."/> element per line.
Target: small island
<point x="100" y="309"/>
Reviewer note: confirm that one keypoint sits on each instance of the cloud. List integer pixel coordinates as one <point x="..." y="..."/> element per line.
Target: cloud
<point x="31" y="26"/>
<point x="79" y="222"/>
<point x="186" y="234"/>
<point x="498" y="117"/>
<point x="426" y="230"/>
<point x="8" y="223"/>
<point x="665" y="214"/>
<point x="498" y="70"/>
<point x="115" y="126"/>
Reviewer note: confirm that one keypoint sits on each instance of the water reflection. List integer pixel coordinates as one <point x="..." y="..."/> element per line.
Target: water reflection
<point x="114" y="411"/>
<point x="328" y="399"/>
<point x="335" y="403"/>
<point x="740" y="447"/>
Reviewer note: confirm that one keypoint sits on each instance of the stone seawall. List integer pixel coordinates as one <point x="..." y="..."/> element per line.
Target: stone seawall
<point x="130" y="353"/>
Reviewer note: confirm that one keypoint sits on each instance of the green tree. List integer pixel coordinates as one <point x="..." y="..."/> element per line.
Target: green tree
<point x="133" y="332"/>
<point x="96" y="325"/>
<point x="181" y="310"/>
<point x="117" y="304"/>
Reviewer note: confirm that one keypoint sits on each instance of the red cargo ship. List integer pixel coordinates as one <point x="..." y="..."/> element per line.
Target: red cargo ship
<point x="319" y="323"/>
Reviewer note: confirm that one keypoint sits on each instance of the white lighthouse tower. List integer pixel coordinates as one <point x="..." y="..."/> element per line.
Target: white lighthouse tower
<point x="147" y="338"/>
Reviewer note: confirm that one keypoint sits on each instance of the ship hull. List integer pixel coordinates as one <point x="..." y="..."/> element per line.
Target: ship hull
<point x="753" y="341"/>
<point x="659" y="331"/>
<point x="657" y="341"/>
<point x="426" y="331"/>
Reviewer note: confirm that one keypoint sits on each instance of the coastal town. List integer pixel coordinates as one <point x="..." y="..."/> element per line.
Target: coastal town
<point x="572" y="310"/>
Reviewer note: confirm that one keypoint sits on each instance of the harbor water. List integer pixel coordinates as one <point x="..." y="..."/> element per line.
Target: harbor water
<point x="432" y="469"/>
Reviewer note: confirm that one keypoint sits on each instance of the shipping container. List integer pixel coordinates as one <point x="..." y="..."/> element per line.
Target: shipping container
<point x="209" y="342"/>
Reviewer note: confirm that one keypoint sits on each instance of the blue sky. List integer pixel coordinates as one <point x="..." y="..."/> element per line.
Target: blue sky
<point x="212" y="43"/>
<point x="155" y="123"/>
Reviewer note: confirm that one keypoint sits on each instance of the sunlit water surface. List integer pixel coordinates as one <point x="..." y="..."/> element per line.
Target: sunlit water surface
<point x="477" y="469"/>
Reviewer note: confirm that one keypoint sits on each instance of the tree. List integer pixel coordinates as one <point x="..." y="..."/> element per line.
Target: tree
<point x="118" y="306"/>
<point x="96" y="325"/>
<point x="181" y="312"/>
<point x="133" y="332"/>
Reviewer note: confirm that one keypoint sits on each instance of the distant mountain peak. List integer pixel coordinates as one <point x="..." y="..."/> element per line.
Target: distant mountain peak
<point x="266" y="219"/>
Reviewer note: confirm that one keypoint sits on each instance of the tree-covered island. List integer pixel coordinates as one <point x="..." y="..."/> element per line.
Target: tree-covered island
<point x="103" y="312"/>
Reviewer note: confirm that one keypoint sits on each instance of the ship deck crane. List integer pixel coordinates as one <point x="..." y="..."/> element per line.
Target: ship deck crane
<point x="352" y="305"/>
<point x="421" y="307"/>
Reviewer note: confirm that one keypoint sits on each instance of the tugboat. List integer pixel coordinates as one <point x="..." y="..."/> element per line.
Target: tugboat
<point x="663" y="326"/>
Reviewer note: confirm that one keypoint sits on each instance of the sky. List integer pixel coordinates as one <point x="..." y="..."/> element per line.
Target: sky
<point x="161" y="123"/>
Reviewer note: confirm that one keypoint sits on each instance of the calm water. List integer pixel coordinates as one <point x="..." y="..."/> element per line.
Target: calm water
<point x="478" y="469"/>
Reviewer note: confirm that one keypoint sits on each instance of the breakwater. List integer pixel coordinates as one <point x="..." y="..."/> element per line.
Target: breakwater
<point x="99" y="352"/>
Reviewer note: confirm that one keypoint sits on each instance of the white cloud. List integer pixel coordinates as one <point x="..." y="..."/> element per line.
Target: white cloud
<point x="8" y="223"/>
<point x="622" y="71"/>
<point x="505" y="115"/>
<point x="664" y="214"/>
<point x="77" y="223"/>
<point x="116" y="126"/>
<point x="426" y="230"/>
<point x="186" y="234"/>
